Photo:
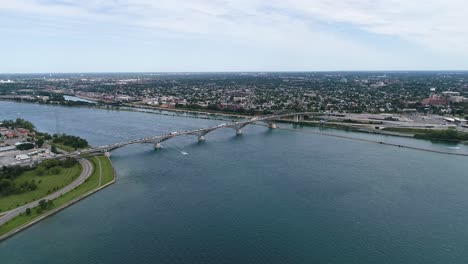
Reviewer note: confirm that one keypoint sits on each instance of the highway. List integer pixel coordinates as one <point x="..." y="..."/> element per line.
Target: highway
<point x="85" y="173"/>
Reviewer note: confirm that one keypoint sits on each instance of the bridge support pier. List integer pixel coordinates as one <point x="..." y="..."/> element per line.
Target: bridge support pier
<point x="272" y="126"/>
<point x="201" y="138"/>
<point x="239" y="131"/>
<point x="298" y="118"/>
<point x="157" y="145"/>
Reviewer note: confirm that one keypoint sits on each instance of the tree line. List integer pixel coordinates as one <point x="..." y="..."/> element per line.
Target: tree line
<point x="70" y="141"/>
<point x="18" y="123"/>
<point x="448" y="134"/>
<point x="8" y="175"/>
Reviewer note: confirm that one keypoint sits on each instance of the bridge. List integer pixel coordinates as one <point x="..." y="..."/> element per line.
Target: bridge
<point x="199" y="133"/>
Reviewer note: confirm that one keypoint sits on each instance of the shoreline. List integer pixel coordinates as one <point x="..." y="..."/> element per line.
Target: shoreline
<point x="212" y="116"/>
<point x="310" y="123"/>
<point x="379" y="142"/>
<point x="173" y="109"/>
<point x="58" y="209"/>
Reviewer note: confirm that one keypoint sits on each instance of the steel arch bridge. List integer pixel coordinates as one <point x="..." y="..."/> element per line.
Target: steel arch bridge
<point x="199" y="133"/>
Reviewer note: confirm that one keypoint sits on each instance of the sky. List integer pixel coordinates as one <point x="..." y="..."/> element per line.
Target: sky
<point x="232" y="35"/>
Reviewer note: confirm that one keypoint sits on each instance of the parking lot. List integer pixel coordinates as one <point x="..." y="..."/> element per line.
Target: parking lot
<point x="7" y="158"/>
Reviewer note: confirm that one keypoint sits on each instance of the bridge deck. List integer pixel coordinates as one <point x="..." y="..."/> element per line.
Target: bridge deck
<point x="196" y="132"/>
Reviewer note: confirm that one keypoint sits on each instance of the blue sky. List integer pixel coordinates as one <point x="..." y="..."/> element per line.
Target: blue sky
<point x="242" y="35"/>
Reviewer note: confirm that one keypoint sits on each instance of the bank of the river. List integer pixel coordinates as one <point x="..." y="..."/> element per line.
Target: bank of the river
<point x="178" y="110"/>
<point x="221" y="116"/>
<point x="213" y="115"/>
<point x="46" y="183"/>
<point x="268" y="196"/>
<point x="380" y="142"/>
<point x="103" y="175"/>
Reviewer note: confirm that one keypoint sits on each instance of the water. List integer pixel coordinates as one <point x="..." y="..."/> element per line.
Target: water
<point x="77" y="99"/>
<point x="269" y="196"/>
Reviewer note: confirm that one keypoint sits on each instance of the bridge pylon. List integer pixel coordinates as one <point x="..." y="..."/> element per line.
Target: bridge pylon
<point x="298" y="118"/>
<point x="157" y="145"/>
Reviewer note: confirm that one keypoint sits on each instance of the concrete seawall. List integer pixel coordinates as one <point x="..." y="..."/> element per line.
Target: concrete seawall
<point x="379" y="142"/>
<point x="56" y="210"/>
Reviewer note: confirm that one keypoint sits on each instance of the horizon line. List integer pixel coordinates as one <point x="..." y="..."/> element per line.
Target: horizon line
<point x="218" y="72"/>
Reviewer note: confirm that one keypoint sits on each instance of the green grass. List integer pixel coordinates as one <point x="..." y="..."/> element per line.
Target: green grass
<point x="47" y="183"/>
<point x="89" y="185"/>
<point x="406" y="130"/>
<point x="107" y="170"/>
<point x="62" y="147"/>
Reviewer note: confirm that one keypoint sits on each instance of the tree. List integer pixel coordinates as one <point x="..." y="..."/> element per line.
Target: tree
<point x="69" y="162"/>
<point x="40" y="142"/>
<point x="24" y="124"/>
<point x="50" y="163"/>
<point x="40" y="171"/>
<point x="25" y="146"/>
<point x="7" y="186"/>
<point x="54" y="149"/>
<point x="28" y="211"/>
<point x="70" y="141"/>
<point x="55" y="170"/>
<point x="43" y="204"/>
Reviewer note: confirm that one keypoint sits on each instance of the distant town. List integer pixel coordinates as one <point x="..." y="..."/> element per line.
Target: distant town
<point x="392" y="101"/>
<point x="42" y="173"/>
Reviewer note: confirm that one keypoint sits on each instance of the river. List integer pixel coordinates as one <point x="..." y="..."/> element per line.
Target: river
<point x="268" y="196"/>
<point x="76" y="99"/>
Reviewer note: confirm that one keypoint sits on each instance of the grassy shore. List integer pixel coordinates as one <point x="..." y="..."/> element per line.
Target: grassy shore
<point x="45" y="185"/>
<point x="64" y="147"/>
<point x="95" y="181"/>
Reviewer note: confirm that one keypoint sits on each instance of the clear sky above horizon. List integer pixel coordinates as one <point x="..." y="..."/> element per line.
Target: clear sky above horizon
<point x="232" y="35"/>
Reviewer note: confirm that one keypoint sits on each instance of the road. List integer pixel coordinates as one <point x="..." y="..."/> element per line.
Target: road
<point x="157" y="139"/>
<point x="85" y="173"/>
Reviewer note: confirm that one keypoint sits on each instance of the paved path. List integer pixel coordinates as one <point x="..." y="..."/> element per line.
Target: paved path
<point x="85" y="173"/>
<point x="100" y="171"/>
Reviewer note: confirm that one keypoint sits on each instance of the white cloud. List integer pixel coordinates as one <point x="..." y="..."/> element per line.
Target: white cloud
<point x="296" y="25"/>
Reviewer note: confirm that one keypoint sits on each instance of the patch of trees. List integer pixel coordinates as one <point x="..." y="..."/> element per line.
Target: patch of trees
<point x="9" y="186"/>
<point x="44" y="205"/>
<point x="11" y="172"/>
<point x="53" y="167"/>
<point x="25" y="146"/>
<point x="215" y="108"/>
<point x="18" y="123"/>
<point x="41" y="138"/>
<point x="70" y="141"/>
<point x="7" y="181"/>
<point x="448" y="134"/>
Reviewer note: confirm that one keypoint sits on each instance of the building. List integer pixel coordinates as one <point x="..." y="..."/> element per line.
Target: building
<point x="457" y="99"/>
<point x="22" y="157"/>
<point x="23" y="131"/>
<point x="450" y="93"/>
<point x="7" y="148"/>
<point x="435" y="99"/>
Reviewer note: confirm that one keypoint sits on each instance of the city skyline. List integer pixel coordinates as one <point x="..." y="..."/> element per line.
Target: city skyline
<point x="223" y="36"/>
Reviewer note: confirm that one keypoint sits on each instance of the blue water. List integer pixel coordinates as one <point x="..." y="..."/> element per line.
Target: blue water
<point x="76" y="99"/>
<point x="268" y="196"/>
